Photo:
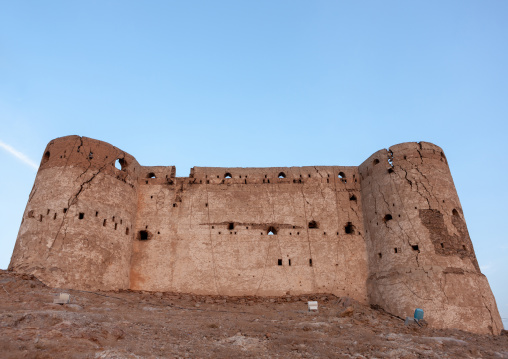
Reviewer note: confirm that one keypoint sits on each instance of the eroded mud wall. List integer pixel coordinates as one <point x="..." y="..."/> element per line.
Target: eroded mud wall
<point x="210" y="233"/>
<point x="419" y="251"/>
<point x="77" y="229"/>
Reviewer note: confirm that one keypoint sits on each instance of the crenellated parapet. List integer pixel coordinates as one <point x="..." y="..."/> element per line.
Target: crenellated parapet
<point x="390" y="232"/>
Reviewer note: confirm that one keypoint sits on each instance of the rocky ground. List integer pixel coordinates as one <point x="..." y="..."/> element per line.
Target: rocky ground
<point x="129" y="324"/>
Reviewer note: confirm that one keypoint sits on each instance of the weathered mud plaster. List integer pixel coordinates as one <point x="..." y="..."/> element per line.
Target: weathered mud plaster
<point x="390" y="232"/>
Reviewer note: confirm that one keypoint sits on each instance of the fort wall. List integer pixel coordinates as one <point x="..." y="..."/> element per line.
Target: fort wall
<point x="390" y="232"/>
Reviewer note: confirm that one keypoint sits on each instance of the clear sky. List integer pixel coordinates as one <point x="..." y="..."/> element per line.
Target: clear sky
<point x="262" y="83"/>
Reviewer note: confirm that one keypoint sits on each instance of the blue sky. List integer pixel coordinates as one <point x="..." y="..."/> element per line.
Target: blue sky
<point x="262" y="83"/>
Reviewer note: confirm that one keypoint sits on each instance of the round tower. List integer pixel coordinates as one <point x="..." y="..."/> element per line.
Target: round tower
<point x="419" y="251"/>
<point x="77" y="228"/>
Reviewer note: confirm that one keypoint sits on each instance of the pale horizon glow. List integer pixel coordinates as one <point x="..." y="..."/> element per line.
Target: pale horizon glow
<point x="20" y="156"/>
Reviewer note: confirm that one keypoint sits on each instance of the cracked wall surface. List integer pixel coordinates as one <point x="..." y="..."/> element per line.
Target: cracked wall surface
<point x="390" y="232"/>
<point x="422" y="256"/>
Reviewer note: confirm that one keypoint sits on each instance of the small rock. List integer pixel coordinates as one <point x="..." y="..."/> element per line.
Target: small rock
<point x="348" y="312"/>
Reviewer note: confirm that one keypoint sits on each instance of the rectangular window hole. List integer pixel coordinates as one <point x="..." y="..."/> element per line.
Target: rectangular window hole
<point x="96" y="213"/>
<point x="380" y="255"/>
<point x="104" y="223"/>
<point x="289" y="262"/>
<point x="279" y="262"/>
<point x="415" y="247"/>
<point x="231" y="226"/>
<point x="310" y="262"/>
<point x="81" y="215"/>
<point x="395" y="250"/>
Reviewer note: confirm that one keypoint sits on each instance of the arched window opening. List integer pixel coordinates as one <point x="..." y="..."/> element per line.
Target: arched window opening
<point x="375" y="162"/>
<point x="272" y="231"/>
<point x="45" y="158"/>
<point x="227" y="175"/>
<point x="352" y="198"/>
<point x="151" y="175"/>
<point x="282" y="175"/>
<point x="342" y="175"/>
<point x="120" y="164"/>
<point x="455" y="212"/>
<point x="313" y="224"/>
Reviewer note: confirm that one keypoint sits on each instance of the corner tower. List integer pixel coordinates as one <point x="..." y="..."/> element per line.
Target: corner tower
<point x="419" y="251"/>
<point x="77" y="228"/>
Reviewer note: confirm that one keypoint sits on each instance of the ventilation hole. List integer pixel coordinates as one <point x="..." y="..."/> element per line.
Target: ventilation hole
<point x="297" y="233"/>
<point x="309" y="175"/>
<point x="324" y="233"/>
<point x="455" y="212"/>
<point x="395" y="250"/>
<point x="380" y="255"/>
<point x="313" y="224"/>
<point x="327" y="180"/>
<point x="442" y="245"/>
<point x="81" y="215"/>
<point x="272" y="231"/>
<point x="146" y="182"/>
<point x="127" y="230"/>
<point x="213" y="227"/>
<point x="227" y="175"/>
<point x="90" y="155"/>
<point x="463" y="247"/>
<point x="246" y="227"/>
<point x="206" y="204"/>
<point x="310" y="262"/>
<point x="375" y="162"/>
<point x="143" y="235"/>
<point x="54" y="216"/>
<point x="415" y="247"/>
<point x="40" y="217"/>
<point x="207" y="181"/>
<point x="151" y="175"/>
<point x="158" y="232"/>
<point x="231" y="225"/>
<point x="387" y="218"/>
<point x="282" y="175"/>
<point x="352" y="198"/>
<point x="349" y="228"/>
<point x="116" y="225"/>
<point x="289" y="262"/>
<point x="390" y="170"/>
<point x="47" y="212"/>
<point x="104" y="223"/>
<point x="151" y="196"/>
<point x="219" y="232"/>
<point x="65" y="210"/>
<point x="279" y="262"/>
<point x="96" y="213"/>
<point x="174" y="204"/>
<point x="342" y="175"/>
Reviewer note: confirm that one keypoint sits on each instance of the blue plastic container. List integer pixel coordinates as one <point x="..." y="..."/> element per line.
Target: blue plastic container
<point x="418" y="314"/>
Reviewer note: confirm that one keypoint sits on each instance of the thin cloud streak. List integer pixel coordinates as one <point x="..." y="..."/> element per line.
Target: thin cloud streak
<point x="20" y="156"/>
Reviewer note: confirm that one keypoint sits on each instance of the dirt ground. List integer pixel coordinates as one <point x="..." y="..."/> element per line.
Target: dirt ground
<point x="130" y="324"/>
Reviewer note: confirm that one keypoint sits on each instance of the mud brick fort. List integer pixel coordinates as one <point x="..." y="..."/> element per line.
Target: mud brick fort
<point x="389" y="232"/>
